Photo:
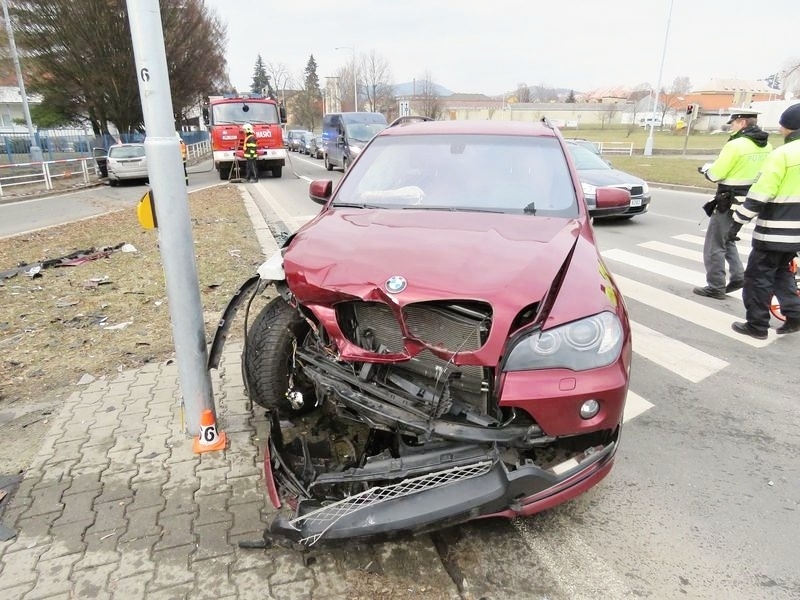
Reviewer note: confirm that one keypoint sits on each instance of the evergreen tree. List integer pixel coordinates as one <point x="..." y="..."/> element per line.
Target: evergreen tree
<point x="307" y="104"/>
<point x="261" y="83"/>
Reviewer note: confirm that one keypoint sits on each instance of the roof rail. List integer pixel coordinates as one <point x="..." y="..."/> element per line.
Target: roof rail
<point x="408" y="119"/>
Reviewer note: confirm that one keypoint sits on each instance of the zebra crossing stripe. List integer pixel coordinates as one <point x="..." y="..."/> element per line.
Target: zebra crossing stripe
<point x="743" y="246"/>
<point x="658" y="267"/>
<point x="688" y="362"/>
<point x="634" y="406"/>
<point x="693" y="278"/>
<point x="693" y="255"/>
<point x="687" y="310"/>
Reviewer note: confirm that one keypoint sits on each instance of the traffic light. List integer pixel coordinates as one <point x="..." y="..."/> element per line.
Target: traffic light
<point x="689" y="109"/>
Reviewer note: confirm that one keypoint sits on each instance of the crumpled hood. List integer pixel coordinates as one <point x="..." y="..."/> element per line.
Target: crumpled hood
<point x="501" y="259"/>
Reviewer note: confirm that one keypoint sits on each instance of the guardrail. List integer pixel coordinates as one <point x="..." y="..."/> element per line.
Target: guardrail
<point x="67" y="173"/>
<point x="46" y="173"/>
<point x="616" y="148"/>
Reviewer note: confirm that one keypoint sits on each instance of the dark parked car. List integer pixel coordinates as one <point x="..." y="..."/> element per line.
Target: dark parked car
<point x="317" y="148"/>
<point x="306" y="143"/>
<point x="441" y="342"/>
<point x="294" y="139"/>
<point x="595" y="172"/>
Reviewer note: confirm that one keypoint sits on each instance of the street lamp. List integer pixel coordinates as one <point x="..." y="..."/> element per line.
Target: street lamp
<point x="648" y="145"/>
<point x="36" y="151"/>
<point x="355" y="77"/>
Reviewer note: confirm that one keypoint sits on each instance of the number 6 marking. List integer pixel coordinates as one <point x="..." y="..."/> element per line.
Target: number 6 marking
<point x="145" y="74"/>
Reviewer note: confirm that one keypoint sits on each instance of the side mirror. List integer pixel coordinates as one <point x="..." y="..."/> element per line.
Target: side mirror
<point x="282" y="112"/>
<point x="205" y="115"/>
<point x="320" y="190"/>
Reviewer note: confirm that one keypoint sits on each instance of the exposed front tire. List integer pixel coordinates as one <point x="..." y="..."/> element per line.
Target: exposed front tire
<point x="269" y="357"/>
<point x="328" y="165"/>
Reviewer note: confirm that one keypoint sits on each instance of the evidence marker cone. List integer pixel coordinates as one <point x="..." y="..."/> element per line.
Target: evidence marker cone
<point x="209" y="438"/>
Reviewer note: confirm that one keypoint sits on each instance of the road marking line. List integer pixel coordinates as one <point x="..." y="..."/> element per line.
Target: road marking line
<point x="743" y="246"/>
<point x="678" y="251"/>
<point x="693" y="278"/>
<point x="693" y="312"/>
<point x="657" y="267"/>
<point x="687" y="361"/>
<point x="635" y="405"/>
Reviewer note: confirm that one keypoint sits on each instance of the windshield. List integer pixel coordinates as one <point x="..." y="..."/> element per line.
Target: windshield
<point x="496" y="173"/>
<point x="585" y="159"/>
<point x="126" y="152"/>
<point x="243" y="112"/>
<point x="363" y="132"/>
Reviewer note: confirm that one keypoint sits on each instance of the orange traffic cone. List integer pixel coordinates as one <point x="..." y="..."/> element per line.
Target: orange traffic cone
<point x="209" y="438"/>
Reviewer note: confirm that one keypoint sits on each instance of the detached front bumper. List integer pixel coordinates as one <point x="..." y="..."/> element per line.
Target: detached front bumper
<point x="470" y="482"/>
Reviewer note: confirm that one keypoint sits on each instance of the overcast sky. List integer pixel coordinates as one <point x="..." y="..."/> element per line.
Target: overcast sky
<point x="491" y="47"/>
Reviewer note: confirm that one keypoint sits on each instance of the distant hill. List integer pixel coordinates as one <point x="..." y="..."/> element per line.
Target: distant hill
<point x="409" y="88"/>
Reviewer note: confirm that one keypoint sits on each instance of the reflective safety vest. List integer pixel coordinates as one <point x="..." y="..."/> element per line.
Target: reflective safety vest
<point x="774" y="201"/>
<point x="738" y="164"/>
<point x="250" y="146"/>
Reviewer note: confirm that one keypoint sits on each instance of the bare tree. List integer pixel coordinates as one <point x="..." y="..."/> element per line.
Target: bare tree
<point x="674" y="98"/>
<point x="790" y="79"/>
<point x="608" y="115"/>
<point x="427" y="100"/>
<point x="349" y="84"/>
<point x="377" y="83"/>
<point x="79" y="57"/>
<point x="681" y="85"/>
<point x="639" y="93"/>
<point x="281" y="79"/>
<point x="523" y="92"/>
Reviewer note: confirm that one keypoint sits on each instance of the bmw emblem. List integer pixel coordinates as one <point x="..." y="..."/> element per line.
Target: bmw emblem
<point x="396" y="284"/>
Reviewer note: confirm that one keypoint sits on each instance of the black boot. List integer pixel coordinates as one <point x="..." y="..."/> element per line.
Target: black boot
<point x="790" y="326"/>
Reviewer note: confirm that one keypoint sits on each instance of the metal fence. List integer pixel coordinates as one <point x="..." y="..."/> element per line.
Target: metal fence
<point x="59" y="144"/>
<point x="31" y="178"/>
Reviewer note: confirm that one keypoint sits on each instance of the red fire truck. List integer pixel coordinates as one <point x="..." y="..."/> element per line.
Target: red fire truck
<point x="224" y="117"/>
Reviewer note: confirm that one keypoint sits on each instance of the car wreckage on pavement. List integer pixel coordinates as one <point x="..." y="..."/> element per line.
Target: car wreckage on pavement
<point x="442" y="341"/>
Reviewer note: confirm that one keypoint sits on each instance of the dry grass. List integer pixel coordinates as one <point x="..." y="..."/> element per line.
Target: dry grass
<point x="110" y="313"/>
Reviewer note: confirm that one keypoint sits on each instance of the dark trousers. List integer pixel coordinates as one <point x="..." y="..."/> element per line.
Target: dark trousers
<point x="768" y="274"/>
<point x="252" y="170"/>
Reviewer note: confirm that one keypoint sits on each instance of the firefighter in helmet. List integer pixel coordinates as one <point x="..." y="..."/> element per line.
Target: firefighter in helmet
<point x="250" y="152"/>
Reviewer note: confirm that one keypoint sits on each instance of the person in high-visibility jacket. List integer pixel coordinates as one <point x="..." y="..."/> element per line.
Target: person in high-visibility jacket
<point x="734" y="171"/>
<point x="184" y="156"/>
<point x="774" y="202"/>
<point x="250" y="153"/>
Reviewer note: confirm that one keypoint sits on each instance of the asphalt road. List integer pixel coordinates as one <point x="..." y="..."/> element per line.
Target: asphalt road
<point x="704" y="500"/>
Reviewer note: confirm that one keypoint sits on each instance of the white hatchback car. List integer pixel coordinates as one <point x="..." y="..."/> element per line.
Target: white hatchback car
<point x="126" y="161"/>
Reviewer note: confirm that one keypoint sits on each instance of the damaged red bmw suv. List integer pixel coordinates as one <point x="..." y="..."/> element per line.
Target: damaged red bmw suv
<point x="443" y="342"/>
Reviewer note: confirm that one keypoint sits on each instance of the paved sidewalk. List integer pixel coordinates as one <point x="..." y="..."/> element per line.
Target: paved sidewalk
<point x="116" y="505"/>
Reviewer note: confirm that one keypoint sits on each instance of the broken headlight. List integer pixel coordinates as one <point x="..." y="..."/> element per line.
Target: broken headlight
<point x="589" y="343"/>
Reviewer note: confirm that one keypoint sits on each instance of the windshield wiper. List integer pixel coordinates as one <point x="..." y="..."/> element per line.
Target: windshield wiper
<point x="455" y="209"/>
<point x="355" y="205"/>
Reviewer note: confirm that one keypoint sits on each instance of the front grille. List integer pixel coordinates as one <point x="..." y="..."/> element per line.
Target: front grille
<point x="317" y="522"/>
<point x="449" y="326"/>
